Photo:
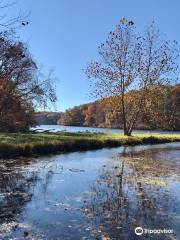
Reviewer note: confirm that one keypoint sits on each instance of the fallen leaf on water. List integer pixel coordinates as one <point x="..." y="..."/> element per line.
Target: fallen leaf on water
<point x="106" y="238"/>
<point x="101" y="228"/>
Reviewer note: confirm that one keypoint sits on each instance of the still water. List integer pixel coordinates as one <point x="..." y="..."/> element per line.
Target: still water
<point x="99" y="195"/>
<point x="56" y="128"/>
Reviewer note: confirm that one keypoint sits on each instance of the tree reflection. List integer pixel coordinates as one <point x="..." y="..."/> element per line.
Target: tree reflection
<point x="132" y="192"/>
<point x="14" y="188"/>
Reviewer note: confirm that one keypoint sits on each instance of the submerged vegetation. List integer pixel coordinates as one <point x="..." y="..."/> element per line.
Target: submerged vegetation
<point x="21" y="144"/>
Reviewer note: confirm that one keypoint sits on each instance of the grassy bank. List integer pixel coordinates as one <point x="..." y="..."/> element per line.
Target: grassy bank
<point x="18" y="144"/>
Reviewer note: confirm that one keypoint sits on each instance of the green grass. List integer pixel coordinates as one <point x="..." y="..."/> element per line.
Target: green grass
<point x="19" y="144"/>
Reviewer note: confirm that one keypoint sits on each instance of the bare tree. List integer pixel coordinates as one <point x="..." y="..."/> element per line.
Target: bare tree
<point x="130" y="62"/>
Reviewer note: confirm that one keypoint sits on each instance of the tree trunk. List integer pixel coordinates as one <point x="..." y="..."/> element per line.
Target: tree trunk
<point x="124" y="117"/>
<point x="127" y="133"/>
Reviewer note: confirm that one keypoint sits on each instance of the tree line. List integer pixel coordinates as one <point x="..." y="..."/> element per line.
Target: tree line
<point x="159" y="111"/>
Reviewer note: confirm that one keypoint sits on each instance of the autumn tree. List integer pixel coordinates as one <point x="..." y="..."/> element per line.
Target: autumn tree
<point x="130" y="62"/>
<point x="74" y="116"/>
<point x="14" y="115"/>
<point x="22" y="89"/>
<point x="95" y="114"/>
<point x="162" y="107"/>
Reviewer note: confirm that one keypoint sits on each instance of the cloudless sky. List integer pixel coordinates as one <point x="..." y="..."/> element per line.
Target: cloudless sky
<point x="64" y="35"/>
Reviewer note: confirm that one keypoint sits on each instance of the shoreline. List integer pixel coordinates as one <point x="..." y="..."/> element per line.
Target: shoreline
<point x="13" y="145"/>
<point x="154" y="130"/>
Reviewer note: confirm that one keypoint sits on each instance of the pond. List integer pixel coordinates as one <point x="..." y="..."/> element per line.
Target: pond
<point x="102" y="194"/>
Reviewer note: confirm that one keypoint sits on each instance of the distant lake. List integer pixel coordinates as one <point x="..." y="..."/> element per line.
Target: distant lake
<point x="56" y="128"/>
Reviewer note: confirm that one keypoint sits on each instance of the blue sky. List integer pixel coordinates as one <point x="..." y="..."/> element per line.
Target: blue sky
<point x="64" y="35"/>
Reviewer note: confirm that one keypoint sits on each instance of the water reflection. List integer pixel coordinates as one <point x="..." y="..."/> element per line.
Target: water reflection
<point x="136" y="190"/>
<point x="14" y="188"/>
<point x="102" y="194"/>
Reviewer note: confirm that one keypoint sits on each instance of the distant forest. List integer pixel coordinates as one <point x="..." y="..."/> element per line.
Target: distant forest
<point x="161" y="111"/>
